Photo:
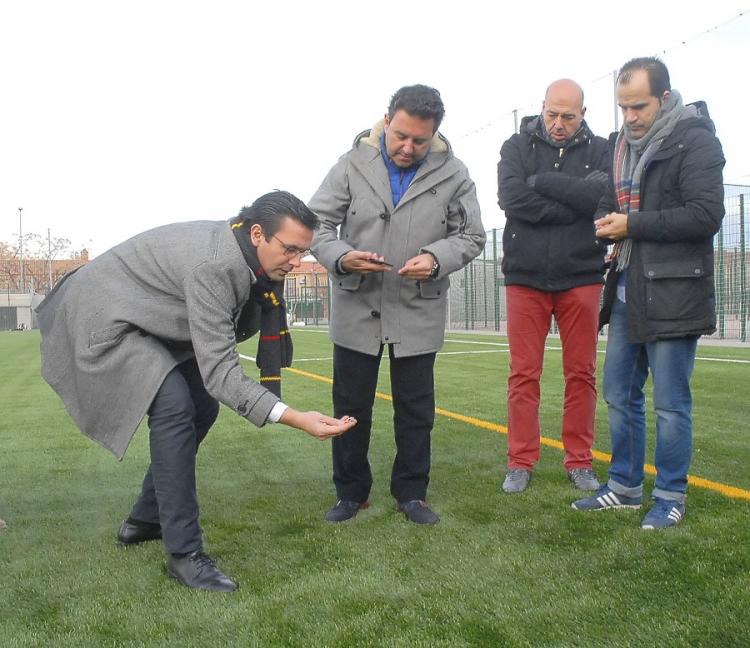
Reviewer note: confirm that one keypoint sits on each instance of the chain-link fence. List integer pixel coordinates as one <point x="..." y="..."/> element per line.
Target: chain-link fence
<point x="477" y="296"/>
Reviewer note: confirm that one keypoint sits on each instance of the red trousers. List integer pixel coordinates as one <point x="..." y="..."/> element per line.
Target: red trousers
<point x="530" y="314"/>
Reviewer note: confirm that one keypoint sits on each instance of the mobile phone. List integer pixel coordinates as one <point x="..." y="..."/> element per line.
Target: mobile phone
<point x="381" y="263"/>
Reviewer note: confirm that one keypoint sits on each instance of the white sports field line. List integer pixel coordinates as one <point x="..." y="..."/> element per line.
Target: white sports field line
<point x="502" y="348"/>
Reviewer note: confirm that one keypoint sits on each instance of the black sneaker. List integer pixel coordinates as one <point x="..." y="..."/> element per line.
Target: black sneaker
<point x="418" y="512"/>
<point x="197" y="570"/>
<point x="345" y="510"/>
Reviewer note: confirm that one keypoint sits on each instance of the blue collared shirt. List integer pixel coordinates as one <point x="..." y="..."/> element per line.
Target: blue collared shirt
<point x="400" y="178"/>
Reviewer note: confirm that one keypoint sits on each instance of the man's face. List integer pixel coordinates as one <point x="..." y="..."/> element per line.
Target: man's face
<point x="407" y="138"/>
<point x="639" y="107"/>
<point x="283" y="251"/>
<point x="562" y="111"/>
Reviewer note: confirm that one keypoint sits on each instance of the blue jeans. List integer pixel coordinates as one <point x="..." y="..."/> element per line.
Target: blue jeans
<point x="626" y="368"/>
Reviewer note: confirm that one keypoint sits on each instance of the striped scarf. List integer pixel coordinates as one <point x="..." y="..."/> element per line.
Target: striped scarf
<point x="631" y="158"/>
<point x="275" y="344"/>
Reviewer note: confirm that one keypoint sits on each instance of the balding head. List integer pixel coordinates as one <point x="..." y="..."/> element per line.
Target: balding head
<point x="563" y="109"/>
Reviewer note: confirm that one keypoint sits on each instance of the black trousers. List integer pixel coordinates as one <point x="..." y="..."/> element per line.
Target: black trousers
<point x="355" y="378"/>
<point x="179" y="419"/>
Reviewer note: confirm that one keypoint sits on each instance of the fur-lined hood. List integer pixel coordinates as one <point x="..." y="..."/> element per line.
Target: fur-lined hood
<point x="371" y="137"/>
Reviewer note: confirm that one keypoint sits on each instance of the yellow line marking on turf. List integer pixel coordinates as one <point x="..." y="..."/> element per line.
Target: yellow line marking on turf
<point x="699" y="482"/>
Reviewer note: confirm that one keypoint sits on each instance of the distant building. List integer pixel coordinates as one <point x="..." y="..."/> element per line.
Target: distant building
<point x="306" y="293"/>
<point x="17" y="302"/>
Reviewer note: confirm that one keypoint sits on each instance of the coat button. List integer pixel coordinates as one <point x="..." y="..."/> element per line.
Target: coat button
<point x="375" y="313"/>
<point x="557" y="165"/>
<point x="697" y="271"/>
<point x="650" y="273"/>
<point x="386" y="338"/>
<point x="384" y="216"/>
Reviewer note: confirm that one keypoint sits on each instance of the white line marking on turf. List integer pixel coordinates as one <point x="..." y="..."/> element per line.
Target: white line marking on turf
<point x="442" y="353"/>
<point x="600" y="351"/>
<point x="247" y="357"/>
<point x="504" y="350"/>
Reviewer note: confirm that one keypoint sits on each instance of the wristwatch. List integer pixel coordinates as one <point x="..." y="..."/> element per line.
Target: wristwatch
<point x="435" y="268"/>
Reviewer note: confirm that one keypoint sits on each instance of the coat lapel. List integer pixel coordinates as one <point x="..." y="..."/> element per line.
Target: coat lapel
<point x="370" y="164"/>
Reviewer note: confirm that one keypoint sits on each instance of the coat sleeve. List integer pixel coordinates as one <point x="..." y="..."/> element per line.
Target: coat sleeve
<point x="465" y="237"/>
<point x="331" y="203"/>
<point x="519" y="200"/>
<point x="209" y="300"/>
<point x="702" y="196"/>
<point x="580" y="194"/>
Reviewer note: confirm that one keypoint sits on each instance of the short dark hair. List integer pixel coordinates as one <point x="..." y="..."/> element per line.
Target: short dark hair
<point x="419" y="101"/>
<point x="658" y="75"/>
<point x="270" y="209"/>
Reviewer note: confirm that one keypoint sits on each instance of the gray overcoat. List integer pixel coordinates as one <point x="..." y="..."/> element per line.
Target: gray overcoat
<point x="113" y="329"/>
<point x="439" y="213"/>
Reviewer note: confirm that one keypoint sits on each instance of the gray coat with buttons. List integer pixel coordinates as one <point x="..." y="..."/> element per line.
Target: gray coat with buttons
<point x="113" y="329"/>
<point x="439" y="213"/>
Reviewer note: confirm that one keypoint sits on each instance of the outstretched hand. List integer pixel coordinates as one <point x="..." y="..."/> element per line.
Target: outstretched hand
<point x="316" y="424"/>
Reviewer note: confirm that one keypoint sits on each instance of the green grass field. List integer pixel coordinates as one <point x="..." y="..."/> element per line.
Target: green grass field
<point x="498" y="570"/>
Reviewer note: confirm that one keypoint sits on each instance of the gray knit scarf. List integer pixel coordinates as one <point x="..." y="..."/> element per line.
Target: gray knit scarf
<point x="631" y="157"/>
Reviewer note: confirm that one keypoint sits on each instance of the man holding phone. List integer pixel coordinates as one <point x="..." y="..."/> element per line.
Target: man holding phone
<point x="398" y="213"/>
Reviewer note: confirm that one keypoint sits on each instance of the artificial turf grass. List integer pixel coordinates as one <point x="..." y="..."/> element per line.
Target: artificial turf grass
<point x="498" y="569"/>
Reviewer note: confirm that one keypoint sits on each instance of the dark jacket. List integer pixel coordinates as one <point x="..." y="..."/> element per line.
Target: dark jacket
<point x="670" y="280"/>
<point x="549" y="242"/>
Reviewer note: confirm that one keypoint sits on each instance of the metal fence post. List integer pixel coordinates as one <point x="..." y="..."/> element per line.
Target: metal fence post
<point x="720" y="297"/>
<point x="495" y="290"/>
<point x="466" y="297"/>
<point x="743" y="273"/>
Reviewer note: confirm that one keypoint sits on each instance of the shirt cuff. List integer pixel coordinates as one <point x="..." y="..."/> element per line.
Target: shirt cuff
<point x="277" y="411"/>
<point x="339" y="269"/>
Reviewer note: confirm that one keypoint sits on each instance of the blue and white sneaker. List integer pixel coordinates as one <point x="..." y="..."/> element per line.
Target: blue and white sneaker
<point x="606" y="498"/>
<point x="664" y="514"/>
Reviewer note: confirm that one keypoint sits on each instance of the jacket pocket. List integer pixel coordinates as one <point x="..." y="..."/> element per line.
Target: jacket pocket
<point x="433" y="289"/>
<point x="676" y="290"/>
<point x="108" y="336"/>
<point x="350" y="282"/>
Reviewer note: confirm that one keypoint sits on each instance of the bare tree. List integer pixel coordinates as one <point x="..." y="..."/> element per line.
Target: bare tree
<point x="39" y="255"/>
<point x="37" y="247"/>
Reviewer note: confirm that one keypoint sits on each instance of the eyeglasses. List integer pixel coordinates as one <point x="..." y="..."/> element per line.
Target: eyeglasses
<point x="291" y="251"/>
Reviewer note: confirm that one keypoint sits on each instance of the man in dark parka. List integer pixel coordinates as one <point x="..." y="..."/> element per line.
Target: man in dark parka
<point x="664" y="205"/>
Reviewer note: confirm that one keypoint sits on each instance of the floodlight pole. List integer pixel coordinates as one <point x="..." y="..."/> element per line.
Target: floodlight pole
<point x="20" y="244"/>
<point x="617" y="108"/>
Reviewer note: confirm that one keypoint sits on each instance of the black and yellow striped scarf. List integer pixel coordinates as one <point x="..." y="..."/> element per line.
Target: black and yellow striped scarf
<point x="275" y="344"/>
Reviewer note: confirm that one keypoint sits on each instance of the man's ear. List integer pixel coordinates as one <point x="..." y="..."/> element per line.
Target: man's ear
<point x="256" y="234"/>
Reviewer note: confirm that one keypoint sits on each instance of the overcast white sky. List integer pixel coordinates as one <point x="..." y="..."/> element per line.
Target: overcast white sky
<point x="120" y="116"/>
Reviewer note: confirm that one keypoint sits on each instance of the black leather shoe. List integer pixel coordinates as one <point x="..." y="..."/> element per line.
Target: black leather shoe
<point x="345" y="510"/>
<point x="131" y="533"/>
<point x="418" y="512"/>
<point x="197" y="570"/>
